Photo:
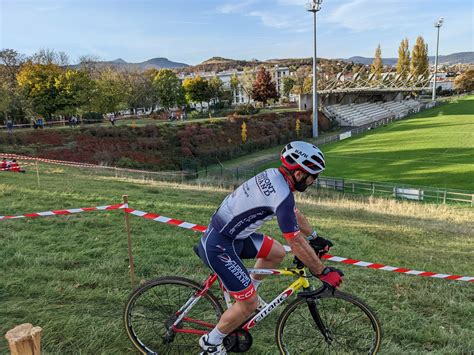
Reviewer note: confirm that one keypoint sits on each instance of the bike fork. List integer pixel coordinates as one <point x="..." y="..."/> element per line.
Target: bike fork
<point x="317" y="319"/>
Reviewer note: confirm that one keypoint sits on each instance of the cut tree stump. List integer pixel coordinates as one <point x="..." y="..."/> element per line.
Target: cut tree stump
<point x="24" y="339"/>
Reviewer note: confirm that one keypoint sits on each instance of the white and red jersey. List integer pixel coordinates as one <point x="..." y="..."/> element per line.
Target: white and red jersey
<point x="256" y="201"/>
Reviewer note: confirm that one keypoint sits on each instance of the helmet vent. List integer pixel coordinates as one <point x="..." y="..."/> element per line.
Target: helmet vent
<point x="318" y="159"/>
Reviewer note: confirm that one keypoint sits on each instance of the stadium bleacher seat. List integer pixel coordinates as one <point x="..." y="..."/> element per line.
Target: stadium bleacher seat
<point x="368" y="112"/>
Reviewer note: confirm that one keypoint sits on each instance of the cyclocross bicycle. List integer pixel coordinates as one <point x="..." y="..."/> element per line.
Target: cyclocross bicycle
<point x="169" y="314"/>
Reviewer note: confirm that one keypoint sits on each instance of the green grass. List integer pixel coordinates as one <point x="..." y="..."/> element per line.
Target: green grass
<point x="432" y="148"/>
<point x="69" y="274"/>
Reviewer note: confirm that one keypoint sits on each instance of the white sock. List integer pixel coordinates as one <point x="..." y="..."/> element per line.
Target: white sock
<point x="215" y="337"/>
<point x="256" y="283"/>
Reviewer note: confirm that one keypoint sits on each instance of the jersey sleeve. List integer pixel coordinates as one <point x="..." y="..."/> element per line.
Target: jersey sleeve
<point x="286" y="217"/>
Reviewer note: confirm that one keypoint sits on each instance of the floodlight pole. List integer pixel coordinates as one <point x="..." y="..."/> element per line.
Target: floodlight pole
<point x="437" y="24"/>
<point x="314" y="7"/>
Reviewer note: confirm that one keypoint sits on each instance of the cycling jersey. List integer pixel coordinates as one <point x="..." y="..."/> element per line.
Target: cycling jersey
<point x="231" y="233"/>
<point x="253" y="203"/>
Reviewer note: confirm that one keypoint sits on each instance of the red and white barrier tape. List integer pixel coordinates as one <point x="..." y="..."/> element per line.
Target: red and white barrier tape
<point x="337" y="259"/>
<point x="95" y="166"/>
<point x="67" y="211"/>
<point x="159" y="218"/>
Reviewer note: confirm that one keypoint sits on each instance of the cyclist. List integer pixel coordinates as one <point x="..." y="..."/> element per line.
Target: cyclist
<point x="231" y="235"/>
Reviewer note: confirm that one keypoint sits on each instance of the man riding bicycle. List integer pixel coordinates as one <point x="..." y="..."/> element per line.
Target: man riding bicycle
<point x="231" y="235"/>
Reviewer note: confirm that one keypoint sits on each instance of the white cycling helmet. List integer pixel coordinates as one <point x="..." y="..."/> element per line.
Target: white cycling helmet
<point x="303" y="155"/>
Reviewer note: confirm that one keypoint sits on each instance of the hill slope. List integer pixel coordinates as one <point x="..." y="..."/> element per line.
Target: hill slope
<point x="69" y="274"/>
<point x="454" y="58"/>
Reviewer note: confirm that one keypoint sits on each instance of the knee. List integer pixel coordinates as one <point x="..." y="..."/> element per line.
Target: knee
<point x="278" y="252"/>
<point x="249" y="305"/>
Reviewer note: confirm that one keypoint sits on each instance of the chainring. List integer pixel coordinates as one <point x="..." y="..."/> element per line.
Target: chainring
<point x="238" y="341"/>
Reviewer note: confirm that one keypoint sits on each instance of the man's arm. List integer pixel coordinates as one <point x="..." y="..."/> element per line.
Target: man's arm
<point x="301" y="249"/>
<point x="303" y="223"/>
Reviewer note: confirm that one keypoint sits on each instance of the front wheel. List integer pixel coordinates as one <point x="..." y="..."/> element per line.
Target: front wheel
<point x="151" y="311"/>
<point x="350" y="326"/>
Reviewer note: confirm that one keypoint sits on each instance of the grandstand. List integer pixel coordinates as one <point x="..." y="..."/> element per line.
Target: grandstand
<point x="365" y="113"/>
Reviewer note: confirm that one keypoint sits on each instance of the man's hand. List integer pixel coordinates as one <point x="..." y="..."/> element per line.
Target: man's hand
<point x="320" y="245"/>
<point x="331" y="276"/>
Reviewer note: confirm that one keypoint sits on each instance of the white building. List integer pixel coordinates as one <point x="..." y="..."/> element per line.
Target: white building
<point x="240" y="96"/>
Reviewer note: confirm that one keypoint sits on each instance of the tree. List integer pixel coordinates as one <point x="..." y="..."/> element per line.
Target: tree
<point x="465" y="81"/>
<point x="75" y="89"/>
<point x="264" y="87"/>
<point x="246" y="81"/>
<point x="301" y="80"/>
<point x="13" y="100"/>
<point x="419" y="60"/>
<point x="288" y="84"/>
<point x="197" y="90"/>
<point x="110" y="92"/>
<point x="141" y="90"/>
<point x="403" y="63"/>
<point x="169" y="91"/>
<point x="377" y="65"/>
<point x="216" y="89"/>
<point x="38" y="83"/>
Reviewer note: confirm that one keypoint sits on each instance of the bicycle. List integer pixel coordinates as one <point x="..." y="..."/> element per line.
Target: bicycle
<point x="169" y="314"/>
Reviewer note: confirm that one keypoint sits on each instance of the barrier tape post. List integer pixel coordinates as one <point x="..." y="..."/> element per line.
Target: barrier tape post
<point x="129" y="238"/>
<point x="37" y="174"/>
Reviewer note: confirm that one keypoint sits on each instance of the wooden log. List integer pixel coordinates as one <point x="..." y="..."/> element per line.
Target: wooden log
<point x="24" y="339"/>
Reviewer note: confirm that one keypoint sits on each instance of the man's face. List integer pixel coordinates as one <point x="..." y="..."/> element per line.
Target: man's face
<point x="303" y="180"/>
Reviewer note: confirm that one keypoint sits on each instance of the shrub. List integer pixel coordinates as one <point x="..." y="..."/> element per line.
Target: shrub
<point x="246" y="109"/>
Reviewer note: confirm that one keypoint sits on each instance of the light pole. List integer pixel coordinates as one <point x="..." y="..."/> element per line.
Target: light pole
<point x="437" y="24"/>
<point x="314" y="6"/>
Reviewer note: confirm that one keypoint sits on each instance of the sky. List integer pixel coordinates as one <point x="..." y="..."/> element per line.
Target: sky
<point x="194" y="30"/>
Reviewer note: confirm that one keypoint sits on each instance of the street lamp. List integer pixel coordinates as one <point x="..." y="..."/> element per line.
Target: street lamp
<point x="437" y="24"/>
<point x="314" y="6"/>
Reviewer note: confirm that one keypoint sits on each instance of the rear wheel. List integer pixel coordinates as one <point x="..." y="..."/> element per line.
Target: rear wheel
<point x="151" y="310"/>
<point x="351" y="325"/>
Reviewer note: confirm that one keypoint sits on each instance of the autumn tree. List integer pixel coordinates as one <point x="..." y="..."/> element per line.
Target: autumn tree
<point x="110" y="93"/>
<point x="264" y="87"/>
<point x="12" y="98"/>
<point x="169" y="90"/>
<point x="419" y="61"/>
<point x="301" y="80"/>
<point x="288" y="84"/>
<point x="246" y="81"/>
<point x="465" y="81"/>
<point x="216" y="89"/>
<point x="38" y="84"/>
<point x="403" y="63"/>
<point x="74" y="91"/>
<point x="197" y="90"/>
<point x="141" y="89"/>
<point x="377" y="65"/>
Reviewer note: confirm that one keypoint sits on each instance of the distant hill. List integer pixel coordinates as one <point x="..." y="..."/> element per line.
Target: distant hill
<point x="450" y="59"/>
<point x="154" y="63"/>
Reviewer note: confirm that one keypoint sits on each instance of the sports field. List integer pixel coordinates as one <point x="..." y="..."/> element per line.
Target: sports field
<point x="69" y="274"/>
<point x="432" y="148"/>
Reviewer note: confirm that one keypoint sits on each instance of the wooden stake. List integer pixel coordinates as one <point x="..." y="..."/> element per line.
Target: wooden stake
<point x="129" y="237"/>
<point x="24" y="339"/>
<point x="37" y="174"/>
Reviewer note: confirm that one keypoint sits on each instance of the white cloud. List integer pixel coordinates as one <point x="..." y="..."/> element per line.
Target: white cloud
<point x="232" y="8"/>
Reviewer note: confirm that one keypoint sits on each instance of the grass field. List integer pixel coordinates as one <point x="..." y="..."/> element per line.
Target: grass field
<point x="69" y="274"/>
<point x="432" y="148"/>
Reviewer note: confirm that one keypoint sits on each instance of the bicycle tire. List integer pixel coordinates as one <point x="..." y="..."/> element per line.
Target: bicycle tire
<point x="147" y="332"/>
<point x="310" y="339"/>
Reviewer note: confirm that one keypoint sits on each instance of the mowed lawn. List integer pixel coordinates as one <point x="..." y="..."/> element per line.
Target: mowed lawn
<point x="69" y="274"/>
<point x="432" y="148"/>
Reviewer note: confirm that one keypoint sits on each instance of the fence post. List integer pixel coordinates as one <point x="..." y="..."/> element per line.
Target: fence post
<point x="129" y="239"/>
<point x="24" y="339"/>
<point x="206" y="170"/>
<point x="444" y="197"/>
<point x="353" y="187"/>
<point x="37" y="174"/>
<point x="472" y="200"/>
<point x="373" y="188"/>
<point x="116" y="173"/>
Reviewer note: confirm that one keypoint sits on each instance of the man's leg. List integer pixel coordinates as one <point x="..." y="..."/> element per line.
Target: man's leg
<point x="237" y="314"/>
<point x="271" y="260"/>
